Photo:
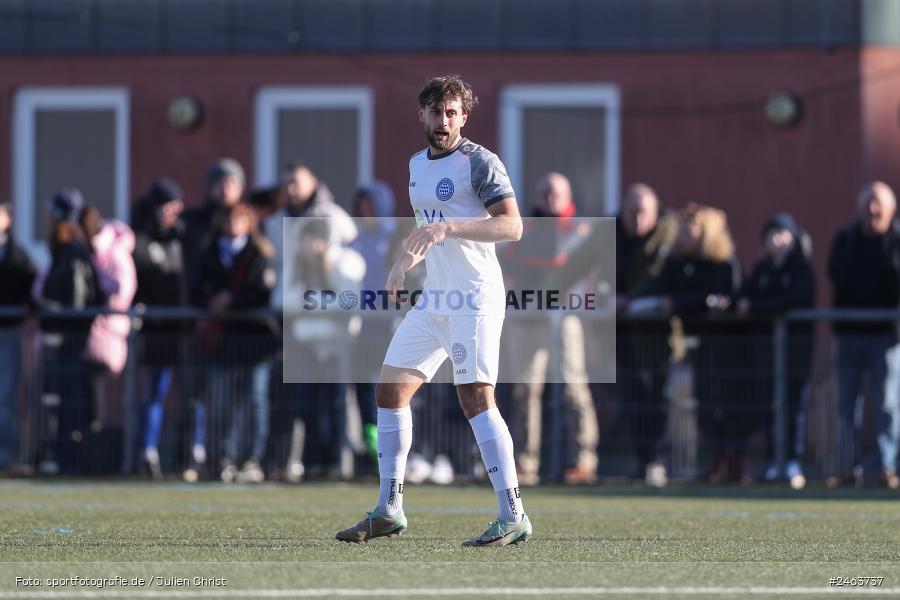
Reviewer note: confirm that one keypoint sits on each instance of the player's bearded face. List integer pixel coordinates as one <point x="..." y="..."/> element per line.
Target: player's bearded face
<point x="443" y="121"/>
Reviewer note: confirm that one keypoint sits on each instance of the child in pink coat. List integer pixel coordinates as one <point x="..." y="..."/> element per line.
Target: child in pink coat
<point x="112" y="243"/>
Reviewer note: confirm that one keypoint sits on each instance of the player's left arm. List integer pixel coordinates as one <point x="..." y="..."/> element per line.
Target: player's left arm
<point x="504" y="225"/>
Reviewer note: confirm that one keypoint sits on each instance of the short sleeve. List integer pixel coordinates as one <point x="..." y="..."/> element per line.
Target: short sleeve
<point x="489" y="178"/>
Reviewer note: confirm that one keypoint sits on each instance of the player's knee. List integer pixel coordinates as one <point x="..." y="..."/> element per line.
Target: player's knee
<point x="475" y="398"/>
<point x="387" y="395"/>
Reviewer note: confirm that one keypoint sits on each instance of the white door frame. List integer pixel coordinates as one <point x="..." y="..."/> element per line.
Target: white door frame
<point x="28" y="101"/>
<point x="517" y="97"/>
<point x="269" y="100"/>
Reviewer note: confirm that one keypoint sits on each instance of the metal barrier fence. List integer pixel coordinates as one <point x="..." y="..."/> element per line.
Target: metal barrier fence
<point x="719" y="387"/>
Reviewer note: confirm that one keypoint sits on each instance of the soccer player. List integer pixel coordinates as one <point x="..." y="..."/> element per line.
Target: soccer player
<point x="464" y="204"/>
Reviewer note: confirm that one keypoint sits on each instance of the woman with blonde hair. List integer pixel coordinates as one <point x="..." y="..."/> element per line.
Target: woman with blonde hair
<point x="699" y="280"/>
<point x="702" y="272"/>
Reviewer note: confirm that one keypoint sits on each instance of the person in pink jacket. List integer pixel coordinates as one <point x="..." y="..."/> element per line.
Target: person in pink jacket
<point x="112" y="244"/>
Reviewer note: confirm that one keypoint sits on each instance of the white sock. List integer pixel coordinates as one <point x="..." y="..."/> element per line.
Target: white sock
<point x="394" y="441"/>
<point x="496" y="446"/>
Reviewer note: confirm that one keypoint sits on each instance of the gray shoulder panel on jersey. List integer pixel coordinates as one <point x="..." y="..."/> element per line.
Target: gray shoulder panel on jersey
<point x="489" y="178"/>
<point x="416" y="155"/>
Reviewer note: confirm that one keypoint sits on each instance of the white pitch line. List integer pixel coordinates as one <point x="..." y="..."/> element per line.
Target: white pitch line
<point x="379" y="592"/>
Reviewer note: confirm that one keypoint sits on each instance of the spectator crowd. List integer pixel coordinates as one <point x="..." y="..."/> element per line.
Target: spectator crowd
<point x="215" y="382"/>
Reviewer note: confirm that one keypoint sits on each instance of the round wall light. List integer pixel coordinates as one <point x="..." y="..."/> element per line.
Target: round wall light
<point x="783" y="109"/>
<point x="185" y="112"/>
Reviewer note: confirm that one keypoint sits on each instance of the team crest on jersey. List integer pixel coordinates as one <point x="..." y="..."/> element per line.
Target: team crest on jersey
<point x="459" y="353"/>
<point x="444" y="190"/>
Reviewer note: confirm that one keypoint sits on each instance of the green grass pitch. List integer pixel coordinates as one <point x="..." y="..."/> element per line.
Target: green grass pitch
<point x="606" y="541"/>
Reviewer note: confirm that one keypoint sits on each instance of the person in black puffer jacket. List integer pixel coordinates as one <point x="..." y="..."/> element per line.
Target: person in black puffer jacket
<point x="237" y="275"/>
<point x="159" y="261"/>
<point x="782" y="280"/>
<point x="17" y="273"/>
<point x="70" y="282"/>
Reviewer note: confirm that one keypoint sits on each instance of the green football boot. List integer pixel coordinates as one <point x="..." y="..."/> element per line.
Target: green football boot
<point x="502" y="533"/>
<point x="374" y="524"/>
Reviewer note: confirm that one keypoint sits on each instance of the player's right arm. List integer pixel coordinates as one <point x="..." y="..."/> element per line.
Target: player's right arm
<point x="397" y="276"/>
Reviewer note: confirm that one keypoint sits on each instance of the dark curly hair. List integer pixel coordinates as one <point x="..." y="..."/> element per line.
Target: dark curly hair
<point x="450" y="87"/>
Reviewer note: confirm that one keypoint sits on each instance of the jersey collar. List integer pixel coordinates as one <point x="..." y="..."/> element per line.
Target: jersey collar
<point x="428" y="155"/>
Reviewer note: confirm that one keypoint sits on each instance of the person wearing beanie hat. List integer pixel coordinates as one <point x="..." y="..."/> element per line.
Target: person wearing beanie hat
<point x="780" y="221"/>
<point x="71" y="281"/>
<point x="782" y="280"/>
<point x="225" y="181"/>
<point x="162" y="191"/>
<point x="159" y="263"/>
<point x="68" y="250"/>
<point x="786" y="222"/>
<point x="224" y="187"/>
<point x="158" y="249"/>
<point x="66" y="205"/>
<point x="223" y="167"/>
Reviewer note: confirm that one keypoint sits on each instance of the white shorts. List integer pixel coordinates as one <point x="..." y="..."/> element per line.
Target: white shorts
<point x="424" y="340"/>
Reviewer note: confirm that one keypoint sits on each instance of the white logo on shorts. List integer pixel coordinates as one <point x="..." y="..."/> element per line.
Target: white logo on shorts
<point x="459" y="353"/>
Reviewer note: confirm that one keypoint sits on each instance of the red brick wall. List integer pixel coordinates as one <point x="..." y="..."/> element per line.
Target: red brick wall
<point x="881" y="114"/>
<point x="692" y="124"/>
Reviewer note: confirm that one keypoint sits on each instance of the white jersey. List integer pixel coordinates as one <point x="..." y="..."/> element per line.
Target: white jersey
<point x="463" y="276"/>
